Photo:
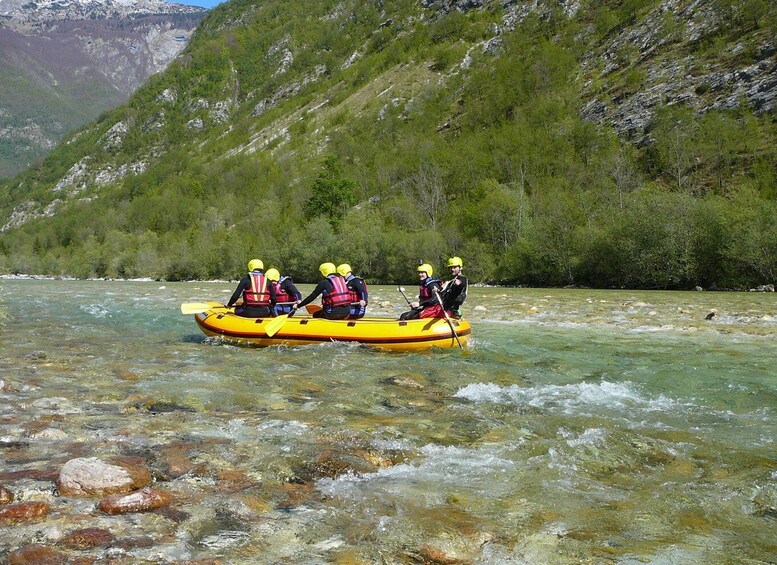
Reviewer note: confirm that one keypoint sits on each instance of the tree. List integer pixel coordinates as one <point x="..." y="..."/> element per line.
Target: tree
<point x="719" y="137"/>
<point x="333" y="193"/>
<point x="426" y="188"/>
<point x="674" y="135"/>
<point x="499" y="214"/>
<point x="624" y="175"/>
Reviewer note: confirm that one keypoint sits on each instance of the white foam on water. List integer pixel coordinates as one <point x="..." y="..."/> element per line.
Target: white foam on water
<point x="449" y="465"/>
<point x="591" y="436"/>
<point x="569" y="398"/>
<point x="226" y="539"/>
<point x="283" y="428"/>
<point x="96" y="310"/>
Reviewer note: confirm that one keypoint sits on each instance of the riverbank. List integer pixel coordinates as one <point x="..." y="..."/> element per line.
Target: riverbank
<point x="760" y="288"/>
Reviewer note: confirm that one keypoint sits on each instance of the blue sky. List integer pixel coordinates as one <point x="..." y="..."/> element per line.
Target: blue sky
<point x="203" y="3"/>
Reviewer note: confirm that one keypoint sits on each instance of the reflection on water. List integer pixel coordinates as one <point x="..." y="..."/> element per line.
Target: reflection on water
<point x="580" y="426"/>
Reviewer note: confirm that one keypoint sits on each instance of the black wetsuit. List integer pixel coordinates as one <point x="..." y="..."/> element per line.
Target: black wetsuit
<point x="358" y="286"/>
<point x="287" y="286"/>
<point x="334" y="313"/>
<point x="453" y="295"/>
<point x="252" y="311"/>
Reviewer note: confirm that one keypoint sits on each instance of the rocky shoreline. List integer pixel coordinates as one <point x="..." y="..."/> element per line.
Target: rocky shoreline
<point x="759" y="288"/>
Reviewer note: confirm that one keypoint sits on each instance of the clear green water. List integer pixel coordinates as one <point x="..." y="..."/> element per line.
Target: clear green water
<point x="579" y="427"/>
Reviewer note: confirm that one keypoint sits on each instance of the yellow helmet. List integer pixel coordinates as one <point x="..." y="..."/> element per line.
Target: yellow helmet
<point x="273" y="274"/>
<point x="426" y="268"/>
<point x="255" y="265"/>
<point x="343" y="269"/>
<point x="327" y="269"/>
<point x="455" y="262"/>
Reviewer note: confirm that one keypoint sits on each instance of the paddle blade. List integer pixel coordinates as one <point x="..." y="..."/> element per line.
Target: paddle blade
<point x="275" y="324"/>
<point x="196" y="307"/>
<point x="312" y="308"/>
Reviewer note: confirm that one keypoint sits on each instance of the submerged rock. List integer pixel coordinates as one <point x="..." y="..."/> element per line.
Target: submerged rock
<point x="37" y="554"/>
<point x="161" y="407"/>
<point x="90" y="476"/>
<point x="87" y="538"/>
<point x="22" y="511"/>
<point x="6" y="496"/>
<point x="140" y="501"/>
<point x="403" y="381"/>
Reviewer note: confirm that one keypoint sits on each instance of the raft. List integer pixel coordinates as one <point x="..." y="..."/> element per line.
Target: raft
<point x="382" y="333"/>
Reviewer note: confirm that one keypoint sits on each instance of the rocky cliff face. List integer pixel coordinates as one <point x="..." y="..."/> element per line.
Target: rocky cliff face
<point x="65" y="61"/>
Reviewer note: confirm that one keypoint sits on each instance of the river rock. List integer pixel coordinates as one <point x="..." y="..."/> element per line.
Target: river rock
<point x="37" y="555"/>
<point x="22" y="511"/>
<point x="403" y="382"/>
<point x="139" y="501"/>
<point x="233" y="480"/>
<point x="90" y="476"/>
<point x="6" y="496"/>
<point x="766" y="500"/>
<point x="333" y="463"/>
<point x="175" y="459"/>
<point x="297" y="494"/>
<point x="50" y="434"/>
<point x="87" y="538"/>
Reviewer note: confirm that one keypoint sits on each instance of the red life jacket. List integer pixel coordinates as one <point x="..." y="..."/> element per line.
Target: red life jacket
<point x="355" y="295"/>
<point x="340" y="295"/>
<point x="258" y="294"/>
<point x="425" y="292"/>
<point x="282" y="295"/>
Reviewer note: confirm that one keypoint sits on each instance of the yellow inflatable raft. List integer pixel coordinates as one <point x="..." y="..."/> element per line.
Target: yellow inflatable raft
<point x="383" y="333"/>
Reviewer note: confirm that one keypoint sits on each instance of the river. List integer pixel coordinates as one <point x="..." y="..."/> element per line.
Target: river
<point x="579" y="426"/>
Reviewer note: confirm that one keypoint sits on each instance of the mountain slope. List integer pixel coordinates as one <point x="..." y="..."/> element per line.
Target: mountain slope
<point x="65" y="62"/>
<point x="547" y="143"/>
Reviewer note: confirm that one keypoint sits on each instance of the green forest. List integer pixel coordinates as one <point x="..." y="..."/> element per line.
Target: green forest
<point x="407" y="154"/>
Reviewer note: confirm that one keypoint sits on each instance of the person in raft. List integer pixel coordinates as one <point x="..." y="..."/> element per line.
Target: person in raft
<point x="257" y="292"/>
<point x="286" y="294"/>
<point x="358" y="289"/>
<point x="427" y="305"/>
<point x="335" y="296"/>
<point x="454" y="291"/>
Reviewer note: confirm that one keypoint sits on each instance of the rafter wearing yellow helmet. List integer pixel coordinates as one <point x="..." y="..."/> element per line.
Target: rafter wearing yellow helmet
<point x="286" y="294"/>
<point x="454" y="291"/>
<point x="359" y="292"/>
<point x="335" y="296"/>
<point x="426" y="306"/>
<point x="256" y="291"/>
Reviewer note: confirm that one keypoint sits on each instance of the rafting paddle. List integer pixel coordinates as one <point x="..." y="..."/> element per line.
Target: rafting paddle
<point x="312" y="308"/>
<point x="275" y="324"/>
<point x="447" y="319"/>
<point x="197" y="307"/>
<point x="402" y="292"/>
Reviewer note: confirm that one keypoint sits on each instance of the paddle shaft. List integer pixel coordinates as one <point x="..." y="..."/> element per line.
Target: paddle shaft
<point x="402" y="292"/>
<point x="447" y="319"/>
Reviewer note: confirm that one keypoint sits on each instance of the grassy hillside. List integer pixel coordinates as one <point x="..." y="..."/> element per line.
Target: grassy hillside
<point x="381" y="133"/>
<point x="27" y="101"/>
